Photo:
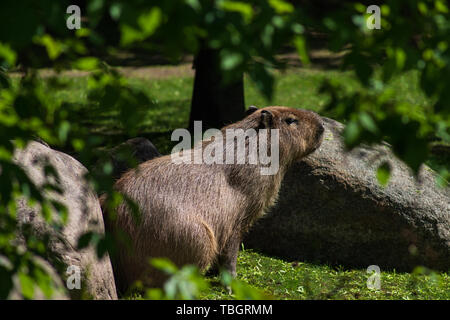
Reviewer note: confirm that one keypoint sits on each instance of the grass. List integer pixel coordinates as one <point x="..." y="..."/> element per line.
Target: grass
<point x="276" y="278"/>
<point x="172" y="96"/>
<point x="281" y="279"/>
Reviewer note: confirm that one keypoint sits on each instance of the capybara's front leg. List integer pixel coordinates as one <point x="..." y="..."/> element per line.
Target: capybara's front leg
<point x="228" y="257"/>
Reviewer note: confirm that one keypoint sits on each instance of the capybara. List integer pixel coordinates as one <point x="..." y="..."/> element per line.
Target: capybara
<point x="197" y="213"/>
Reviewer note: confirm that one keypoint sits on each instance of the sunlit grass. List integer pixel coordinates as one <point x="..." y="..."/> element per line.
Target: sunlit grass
<point x="297" y="280"/>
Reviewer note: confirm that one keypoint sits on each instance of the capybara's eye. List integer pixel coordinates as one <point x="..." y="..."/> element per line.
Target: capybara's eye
<point x="291" y="120"/>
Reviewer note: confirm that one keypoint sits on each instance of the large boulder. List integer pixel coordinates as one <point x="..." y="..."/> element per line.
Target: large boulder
<point x="84" y="215"/>
<point x="126" y="155"/>
<point x="331" y="209"/>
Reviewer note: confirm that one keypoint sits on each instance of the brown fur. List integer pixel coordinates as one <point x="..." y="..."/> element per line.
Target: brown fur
<point x="198" y="213"/>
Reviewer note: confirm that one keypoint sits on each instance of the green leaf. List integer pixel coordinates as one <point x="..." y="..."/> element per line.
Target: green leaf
<point x="84" y="240"/>
<point x="54" y="48"/>
<point x="129" y="35"/>
<point x="83" y="32"/>
<point x="351" y="133"/>
<point x="147" y="21"/>
<point x="150" y="21"/>
<point x="86" y="63"/>
<point x="26" y="285"/>
<point x="230" y="60"/>
<point x="63" y="131"/>
<point x="46" y="212"/>
<point x="384" y="173"/>
<point x="226" y="278"/>
<point x="115" y="11"/>
<point x="367" y="122"/>
<point x="400" y="58"/>
<point x="360" y="7"/>
<point x="44" y="282"/>
<point x="8" y="54"/>
<point x="195" y="4"/>
<point x="440" y="6"/>
<point x="164" y="264"/>
<point x="423" y="9"/>
<point x="443" y="179"/>
<point x="281" y="6"/>
<point x="300" y="45"/>
<point x="102" y="247"/>
<point x="245" y="9"/>
<point x="170" y="288"/>
<point x="95" y="6"/>
<point x="154" y="294"/>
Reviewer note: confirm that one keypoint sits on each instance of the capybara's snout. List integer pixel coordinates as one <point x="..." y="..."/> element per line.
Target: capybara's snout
<point x="319" y="133"/>
<point x="318" y="130"/>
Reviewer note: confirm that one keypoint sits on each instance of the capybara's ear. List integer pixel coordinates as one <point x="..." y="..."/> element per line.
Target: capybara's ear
<point x="266" y="119"/>
<point x="250" y="110"/>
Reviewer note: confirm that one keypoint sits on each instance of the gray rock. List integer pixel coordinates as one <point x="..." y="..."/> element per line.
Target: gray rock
<point x="84" y="214"/>
<point x="128" y="154"/>
<point x="331" y="209"/>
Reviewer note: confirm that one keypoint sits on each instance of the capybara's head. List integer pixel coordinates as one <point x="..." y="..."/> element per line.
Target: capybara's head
<point x="300" y="131"/>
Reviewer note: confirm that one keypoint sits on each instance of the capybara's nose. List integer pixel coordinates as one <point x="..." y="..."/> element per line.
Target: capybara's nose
<point x="321" y="128"/>
<point x="319" y="133"/>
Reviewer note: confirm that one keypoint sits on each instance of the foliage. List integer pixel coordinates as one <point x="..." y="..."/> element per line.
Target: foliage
<point x="397" y="47"/>
<point x="18" y="124"/>
<point x="186" y="283"/>
<point x="246" y="33"/>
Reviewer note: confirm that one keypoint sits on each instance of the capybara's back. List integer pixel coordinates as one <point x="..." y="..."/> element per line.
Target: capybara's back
<point x="197" y="213"/>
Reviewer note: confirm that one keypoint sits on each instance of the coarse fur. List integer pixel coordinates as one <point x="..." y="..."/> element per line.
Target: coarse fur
<point x="198" y="213"/>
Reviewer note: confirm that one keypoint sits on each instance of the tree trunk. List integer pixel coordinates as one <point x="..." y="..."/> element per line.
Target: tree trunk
<point x="213" y="102"/>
